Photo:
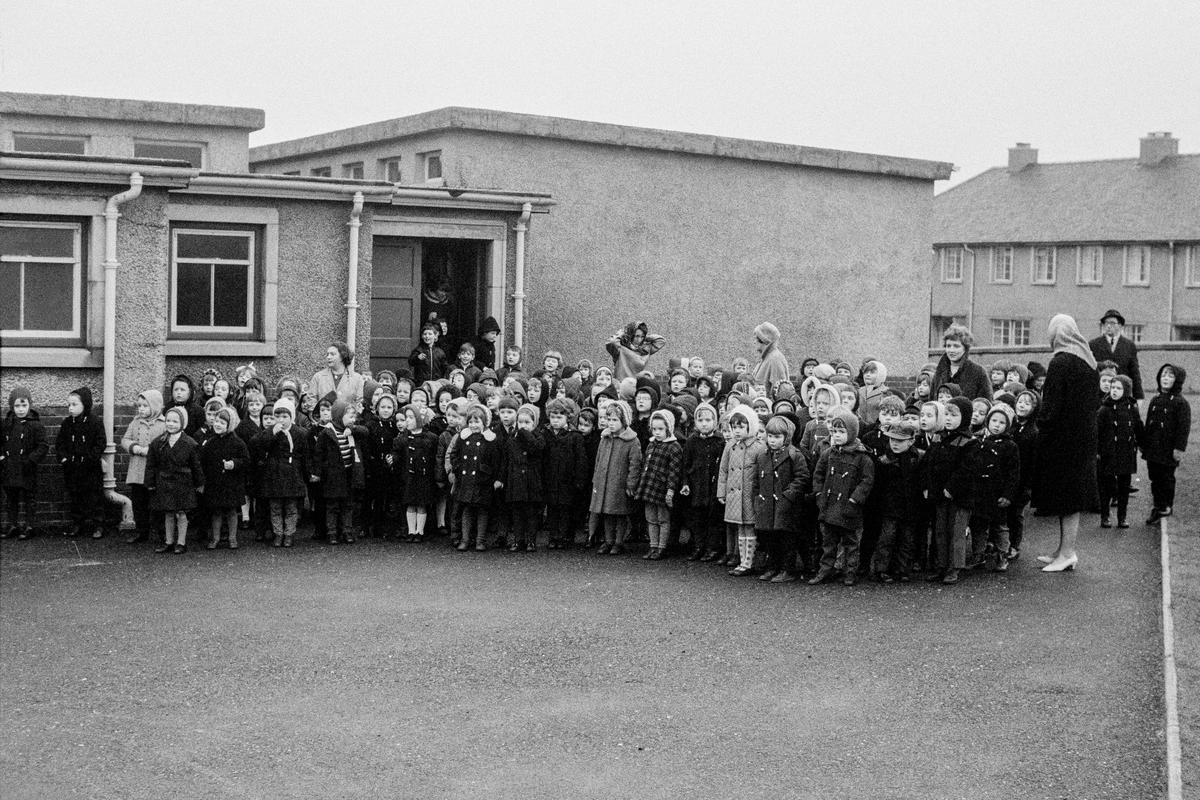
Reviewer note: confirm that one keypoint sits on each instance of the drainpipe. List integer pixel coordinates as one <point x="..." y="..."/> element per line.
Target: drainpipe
<point x="1171" y="295"/>
<point x="519" y="292"/>
<point x="971" y="302"/>
<point x="352" y="284"/>
<point x="111" y="215"/>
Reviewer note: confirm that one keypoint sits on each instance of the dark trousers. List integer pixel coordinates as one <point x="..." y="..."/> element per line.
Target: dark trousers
<point x="339" y="516"/>
<point x="1162" y="483"/>
<point x="809" y="539"/>
<point x="473" y="522"/>
<point x="707" y="525"/>
<point x="951" y="539"/>
<point x="375" y="510"/>
<point x="526" y="519"/>
<point x="780" y="549"/>
<point x="86" y="502"/>
<point x="872" y="525"/>
<point x="559" y="519"/>
<point x="1016" y="520"/>
<point x="18" y="497"/>
<point x="835" y="536"/>
<point x="1115" y="487"/>
<point x="894" y="549"/>
<point x="317" y="501"/>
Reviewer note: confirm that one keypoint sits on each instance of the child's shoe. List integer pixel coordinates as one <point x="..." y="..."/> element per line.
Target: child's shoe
<point x="650" y="554"/>
<point x="739" y="571"/>
<point x="884" y="577"/>
<point x="659" y="554"/>
<point x="950" y="577"/>
<point x="783" y="577"/>
<point x="616" y="550"/>
<point x="480" y="547"/>
<point x="711" y="555"/>
<point x="603" y="549"/>
<point x="1001" y="565"/>
<point x="1104" y="521"/>
<point x="287" y="540"/>
<point x="821" y="576"/>
<point x="165" y="547"/>
<point x="462" y="545"/>
<point x="98" y="533"/>
<point x="531" y="547"/>
<point x="277" y="541"/>
<point x="514" y="548"/>
<point x="348" y="538"/>
<point x="849" y="579"/>
<point x="25" y="533"/>
<point x="10" y="533"/>
<point x="211" y="545"/>
<point x="1121" y="523"/>
<point x="180" y="549"/>
<point x="768" y="575"/>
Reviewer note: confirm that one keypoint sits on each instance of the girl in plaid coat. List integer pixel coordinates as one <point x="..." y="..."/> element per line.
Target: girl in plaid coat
<point x="662" y="468"/>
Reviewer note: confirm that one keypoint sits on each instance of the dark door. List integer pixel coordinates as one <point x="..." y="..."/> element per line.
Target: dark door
<point x="395" y="293"/>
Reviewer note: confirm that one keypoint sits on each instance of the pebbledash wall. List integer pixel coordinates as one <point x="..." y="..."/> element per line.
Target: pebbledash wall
<point x="703" y="237"/>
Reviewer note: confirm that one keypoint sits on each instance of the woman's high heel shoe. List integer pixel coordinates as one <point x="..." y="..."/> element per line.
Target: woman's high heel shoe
<point x="1061" y="564"/>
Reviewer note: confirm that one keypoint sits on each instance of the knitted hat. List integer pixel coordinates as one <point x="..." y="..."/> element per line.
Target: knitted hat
<point x="841" y="380"/>
<point x="531" y="411"/>
<point x="830" y="391"/>
<point x="1014" y="388"/>
<point x="288" y="384"/>
<point x="370" y="386"/>
<point x="153" y="398"/>
<point x="783" y="404"/>
<point x="767" y="332"/>
<point x="1005" y="411"/>
<point x="622" y="410"/>
<point x="387" y="377"/>
<point x="688" y="402"/>
<point x="745" y="413"/>
<point x="180" y="412"/>
<point x="1008" y="398"/>
<point x="1127" y="382"/>
<point x="668" y="419"/>
<point x="627" y="389"/>
<point x="953" y="388"/>
<point x="508" y="401"/>
<point x="458" y="405"/>
<point x="706" y="408"/>
<point x="650" y="387"/>
<point x="517" y="390"/>
<point x="337" y="411"/>
<point x="21" y="392"/>
<point x="328" y="400"/>
<point x="903" y="430"/>
<point x="913" y="408"/>
<point x="230" y="416"/>
<point x="85" y="398"/>
<point x="479" y="389"/>
<point x="806" y="362"/>
<point x="823" y="372"/>
<point x="785" y="390"/>
<point x="561" y="406"/>
<point x="487" y="413"/>
<point x="881" y="372"/>
<point x="285" y="404"/>
<point x="391" y="398"/>
<point x="849" y="421"/>
<point x="488" y="374"/>
<point x="939" y="414"/>
<point x="553" y="354"/>
<point x="964" y="407"/>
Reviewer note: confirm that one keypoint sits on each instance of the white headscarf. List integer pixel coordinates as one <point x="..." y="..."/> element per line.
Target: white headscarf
<point x="1066" y="338"/>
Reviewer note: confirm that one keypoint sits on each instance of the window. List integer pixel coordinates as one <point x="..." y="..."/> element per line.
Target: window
<point x="321" y="172"/>
<point x="389" y="169"/>
<point x="938" y="326"/>
<point x="1134" y="332"/>
<point x="191" y="152"/>
<point x="1137" y="265"/>
<point x="1002" y="264"/>
<point x="1191" y="275"/>
<point x="41" y="270"/>
<point x="1045" y="264"/>
<point x="49" y="143"/>
<point x="293" y="172"/>
<point x="213" y="281"/>
<point x="1013" y="332"/>
<point x="1187" y="333"/>
<point x="353" y="171"/>
<point x="952" y="258"/>
<point x="1090" y="266"/>
<point x="433" y="165"/>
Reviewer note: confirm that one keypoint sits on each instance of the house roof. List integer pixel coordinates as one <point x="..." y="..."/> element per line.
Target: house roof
<point x="65" y="105"/>
<point x="479" y="119"/>
<point x="1087" y="201"/>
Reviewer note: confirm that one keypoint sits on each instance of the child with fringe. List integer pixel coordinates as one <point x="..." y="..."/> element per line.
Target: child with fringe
<point x="659" y="480"/>
<point x="735" y="487"/>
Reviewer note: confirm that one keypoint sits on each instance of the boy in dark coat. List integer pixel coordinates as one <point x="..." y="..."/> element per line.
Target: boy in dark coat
<point x="521" y="474"/>
<point x="381" y="435"/>
<point x="224" y="458"/>
<point x="475" y="464"/>
<point x="566" y="470"/>
<point x="1118" y="429"/>
<point x="951" y="513"/>
<point x="1165" y="437"/>
<point x="428" y="361"/>
<point x="780" y="482"/>
<point x="701" y="467"/>
<point x="1025" y="434"/>
<point x="22" y="447"/>
<point x="992" y="468"/>
<point x="182" y="393"/>
<point x="898" y="488"/>
<point x="337" y="465"/>
<point x="285" y="470"/>
<point x="79" y="447"/>
<point x="485" y="344"/>
<point x="842" y="482"/>
<point x="174" y="479"/>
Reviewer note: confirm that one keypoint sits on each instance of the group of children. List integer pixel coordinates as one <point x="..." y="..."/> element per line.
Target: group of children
<point x="841" y="477"/>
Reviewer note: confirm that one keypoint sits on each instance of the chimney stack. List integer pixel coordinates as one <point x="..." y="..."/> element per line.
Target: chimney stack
<point x="1021" y="156"/>
<point x="1156" y="146"/>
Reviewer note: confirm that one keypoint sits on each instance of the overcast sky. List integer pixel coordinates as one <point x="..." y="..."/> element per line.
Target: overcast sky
<point x="951" y="81"/>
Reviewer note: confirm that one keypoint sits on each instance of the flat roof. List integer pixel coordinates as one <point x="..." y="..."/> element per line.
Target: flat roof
<point x="603" y="133"/>
<point x="73" y="106"/>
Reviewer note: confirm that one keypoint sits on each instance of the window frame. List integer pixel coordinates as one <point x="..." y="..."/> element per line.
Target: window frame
<point x="427" y="158"/>
<point x="1191" y="270"/>
<point x="1145" y="263"/>
<point x="251" y="331"/>
<point x="77" y="336"/>
<point x="349" y="170"/>
<point x="1009" y="328"/>
<point x="385" y="167"/>
<point x="201" y="146"/>
<point x="320" y="172"/>
<point x="1135" y="331"/>
<point x="942" y="257"/>
<point x="86" y="141"/>
<point x="1080" y="260"/>
<point x="1011" y="258"/>
<point x="1052" y="262"/>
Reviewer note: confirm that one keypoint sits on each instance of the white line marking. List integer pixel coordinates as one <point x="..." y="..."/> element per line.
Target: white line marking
<point x="1174" y="752"/>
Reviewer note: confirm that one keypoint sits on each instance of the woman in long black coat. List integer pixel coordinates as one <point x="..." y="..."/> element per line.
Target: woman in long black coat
<point x="1065" y="472"/>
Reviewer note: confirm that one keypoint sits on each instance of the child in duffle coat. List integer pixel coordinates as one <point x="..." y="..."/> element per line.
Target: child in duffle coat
<point x="79" y="447"/>
<point x="174" y="478"/>
<point x="587" y="423"/>
<point x="475" y="466"/>
<point x="898" y="486"/>
<point x="781" y="480"/>
<point x="566" y="470"/>
<point x="1119" y="429"/>
<point x="147" y="425"/>
<point x="952" y="513"/>
<point x="456" y="420"/>
<point x="1165" y="438"/>
<point x="285" y="470"/>
<point x="225" y="460"/>
<point x="1025" y="434"/>
<point x="337" y="465"/>
<point x="842" y="481"/>
<point x="735" y="487"/>
<point x="618" y="469"/>
<point x="991" y="474"/>
<point x="413" y="454"/>
<point x="255" y="513"/>
<point x="659" y="481"/>
<point x="701" y="468"/>
<point x="21" y="451"/>
<point x="381" y="435"/>
<point x="825" y="400"/>
<point x="521" y="474"/>
<point x="873" y="390"/>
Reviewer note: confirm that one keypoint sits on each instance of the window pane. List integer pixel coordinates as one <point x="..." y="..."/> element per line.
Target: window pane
<point x="230" y="287"/>
<point x="193" y="245"/>
<point x="26" y="143"/>
<point x="192" y="294"/>
<point x="49" y="297"/>
<point x="10" y="299"/>
<point x="433" y="165"/>
<point x="191" y="153"/>
<point x="18" y="240"/>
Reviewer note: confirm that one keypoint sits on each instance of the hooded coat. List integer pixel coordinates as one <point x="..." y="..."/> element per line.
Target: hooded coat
<point x="662" y="465"/>
<point x="1118" y="429"/>
<point x="1168" y="420"/>
<point x="475" y="461"/>
<point x="285" y="462"/>
<point x="869" y="397"/>
<point x="781" y="479"/>
<point x="629" y="360"/>
<point x="1065" y="465"/>
<point x="224" y="489"/>
<point x="173" y="473"/>
<point x="142" y="431"/>
<point x="414" y="455"/>
<point x="735" y="478"/>
<point x="80" y="443"/>
<point x="566" y="467"/>
<point x="195" y="412"/>
<point x="843" y="478"/>
<point x="485" y="351"/>
<point x="23" y="445"/>
<point x="618" y="468"/>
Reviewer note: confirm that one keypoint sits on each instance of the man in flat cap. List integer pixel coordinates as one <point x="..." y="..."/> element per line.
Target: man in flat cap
<point x="1111" y="345"/>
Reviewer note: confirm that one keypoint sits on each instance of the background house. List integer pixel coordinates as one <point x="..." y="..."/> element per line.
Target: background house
<point x="702" y="236"/>
<point x="1015" y="245"/>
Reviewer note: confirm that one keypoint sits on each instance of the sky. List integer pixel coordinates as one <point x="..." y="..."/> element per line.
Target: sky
<point x="950" y="81"/>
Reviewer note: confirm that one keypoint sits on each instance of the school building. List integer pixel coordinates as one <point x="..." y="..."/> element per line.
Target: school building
<point x="702" y="236"/>
<point x="1016" y="245"/>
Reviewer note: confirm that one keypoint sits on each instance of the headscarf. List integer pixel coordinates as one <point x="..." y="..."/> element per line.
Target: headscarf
<point x="1066" y="338"/>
